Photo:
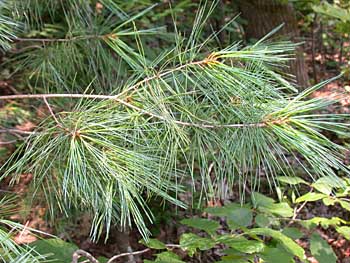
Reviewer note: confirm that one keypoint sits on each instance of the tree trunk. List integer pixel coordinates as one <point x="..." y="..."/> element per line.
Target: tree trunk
<point x="265" y="15"/>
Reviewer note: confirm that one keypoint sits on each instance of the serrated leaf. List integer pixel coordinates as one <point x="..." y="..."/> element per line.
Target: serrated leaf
<point x="323" y="188"/>
<point x="240" y="217"/>
<point x="222" y="211"/>
<point x="326" y="184"/>
<point x="268" y="205"/>
<point x="292" y="180"/>
<point x="310" y="197"/>
<point x="285" y="241"/>
<point x="59" y="250"/>
<point x="207" y="225"/>
<point x="344" y="231"/>
<point x="280" y="209"/>
<point x="324" y="222"/>
<point x="329" y="201"/>
<point x="192" y="242"/>
<point x="244" y="245"/>
<point x="272" y="255"/>
<point x="235" y="256"/>
<point x="153" y="243"/>
<point x="168" y="257"/>
<point x="261" y="200"/>
<point x="292" y="232"/>
<point x="345" y="205"/>
<point x="321" y="250"/>
<point x="262" y="220"/>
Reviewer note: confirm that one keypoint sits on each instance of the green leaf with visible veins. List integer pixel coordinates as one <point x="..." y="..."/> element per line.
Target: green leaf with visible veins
<point x="153" y="243"/>
<point x="207" y="225"/>
<point x="240" y="217"/>
<point x="61" y="251"/>
<point x="321" y="250"/>
<point x="285" y="241"/>
<point x="292" y="180"/>
<point x="344" y="230"/>
<point x="310" y="197"/>
<point x="192" y="242"/>
<point x="244" y="245"/>
<point x="274" y="255"/>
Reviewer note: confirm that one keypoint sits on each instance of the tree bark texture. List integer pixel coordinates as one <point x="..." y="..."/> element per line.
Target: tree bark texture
<point x="265" y="15"/>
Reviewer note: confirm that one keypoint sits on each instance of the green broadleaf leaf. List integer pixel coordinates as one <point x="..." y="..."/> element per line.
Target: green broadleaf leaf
<point x="345" y="205"/>
<point x="261" y="200"/>
<point x="262" y="220"/>
<point x="232" y="255"/>
<point x="153" y="243"/>
<point x="240" y="217"/>
<point x="292" y="180"/>
<point x="285" y="241"/>
<point x="280" y="209"/>
<point x="293" y="232"/>
<point x="272" y="255"/>
<point x="321" y="250"/>
<point x="344" y="230"/>
<point x="102" y="259"/>
<point x="329" y="201"/>
<point x="192" y="242"/>
<point x="326" y="184"/>
<point x="268" y="205"/>
<point x="222" y="211"/>
<point x="244" y="245"/>
<point x="324" y="222"/>
<point x="207" y="225"/>
<point x="168" y="257"/>
<point x="61" y="251"/>
<point x="310" y="197"/>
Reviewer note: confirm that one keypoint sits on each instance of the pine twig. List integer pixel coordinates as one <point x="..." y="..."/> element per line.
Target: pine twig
<point x="77" y="38"/>
<point x="51" y="112"/>
<point x="131" y="106"/>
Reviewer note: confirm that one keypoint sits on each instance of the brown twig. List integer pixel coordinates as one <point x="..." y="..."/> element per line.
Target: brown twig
<point x="313" y="52"/>
<point x="297" y="210"/>
<point x="139" y="252"/>
<point x="8" y="142"/>
<point x="51" y="112"/>
<point x="128" y="254"/>
<point x="16" y="131"/>
<point x="81" y="253"/>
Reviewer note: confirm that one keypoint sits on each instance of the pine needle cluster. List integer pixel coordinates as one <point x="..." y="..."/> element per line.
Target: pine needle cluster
<point x="132" y="127"/>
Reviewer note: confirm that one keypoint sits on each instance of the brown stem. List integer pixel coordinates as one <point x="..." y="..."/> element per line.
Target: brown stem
<point x="51" y="112"/>
<point x="313" y="52"/>
<point x="128" y="254"/>
<point x="138" y="252"/>
<point x="16" y="131"/>
<point x="81" y="253"/>
<point x="341" y="52"/>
